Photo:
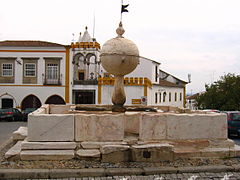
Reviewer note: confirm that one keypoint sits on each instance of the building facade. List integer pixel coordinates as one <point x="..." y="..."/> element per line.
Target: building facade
<point x="33" y="73"/>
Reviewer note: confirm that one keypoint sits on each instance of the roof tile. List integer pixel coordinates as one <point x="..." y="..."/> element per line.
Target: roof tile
<point x="28" y="43"/>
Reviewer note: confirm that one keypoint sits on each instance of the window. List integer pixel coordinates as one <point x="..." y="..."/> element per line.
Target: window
<point x="81" y="75"/>
<point x="29" y="70"/>
<point x="170" y="97"/>
<point x="156" y="97"/>
<point x="164" y="96"/>
<point x="156" y="73"/>
<point x="160" y="97"/>
<point x="175" y="96"/>
<point x="52" y="74"/>
<point x="180" y="97"/>
<point x="7" y="69"/>
<point x="52" y="71"/>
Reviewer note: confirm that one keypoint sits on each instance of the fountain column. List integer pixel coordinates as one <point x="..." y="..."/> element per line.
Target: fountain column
<point x="119" y="56"/>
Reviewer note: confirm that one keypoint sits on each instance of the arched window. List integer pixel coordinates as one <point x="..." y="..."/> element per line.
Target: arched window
<point x="55" y="99"/>
<point x="156" y="97"/>
<point x="175" y="96"/>
<point x="160" y="97"/>
<point x="170" y="97"/>
<point x="164" y="96"/>
<point x="30" y="101"/>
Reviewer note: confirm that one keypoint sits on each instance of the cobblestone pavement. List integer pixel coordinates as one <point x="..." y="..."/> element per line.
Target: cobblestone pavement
<point x="181" y="176"/>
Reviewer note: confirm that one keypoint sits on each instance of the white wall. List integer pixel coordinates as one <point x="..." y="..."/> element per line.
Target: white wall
<point x="172" y="90"/>
<point x="132" y="92"/>
<point x="146" y="68"/>
<point x="41" y="61"/>
<point x="19" y="90"/>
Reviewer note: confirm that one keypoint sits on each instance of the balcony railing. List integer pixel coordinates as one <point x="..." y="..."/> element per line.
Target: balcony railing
<point x="85" y="82"/>
<point x="52" y="82"/>
<point x="47" y="81"/>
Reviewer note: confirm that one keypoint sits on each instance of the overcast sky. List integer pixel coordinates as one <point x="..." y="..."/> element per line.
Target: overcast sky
<point x="197" y="37"/>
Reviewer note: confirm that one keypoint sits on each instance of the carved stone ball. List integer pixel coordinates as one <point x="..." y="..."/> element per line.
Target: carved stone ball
<point x="119" y="56"/>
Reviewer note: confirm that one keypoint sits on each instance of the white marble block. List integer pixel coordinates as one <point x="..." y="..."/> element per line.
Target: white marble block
<point x="98" y="145"/>
<point x="197" y="126"/>
<point x="14" y="151"/>
<point x="106" y="149"/>
<point x="20" y="134"/>
<point x="131" y="123"/>
<point x="96" y="127"/>
<point x="48" y="145"/>
<point x="59" y="109"/>
<point x="152" y="127"/>
<point x="51" y="127"/>
<point x="88" y="153"/>
<point x="41" y="155"/>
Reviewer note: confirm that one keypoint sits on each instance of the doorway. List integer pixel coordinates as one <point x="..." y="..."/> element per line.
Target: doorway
<point x="31" y="101"/>
<point x="84" y="97"/>
<point x="7" y="103"/>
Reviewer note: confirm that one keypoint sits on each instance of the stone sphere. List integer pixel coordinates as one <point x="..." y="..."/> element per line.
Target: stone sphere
<point x="119" y="56"/>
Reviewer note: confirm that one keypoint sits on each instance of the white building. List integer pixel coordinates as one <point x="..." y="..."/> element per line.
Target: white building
<point x="33" y="73"/>
<point x="36" y="72"/>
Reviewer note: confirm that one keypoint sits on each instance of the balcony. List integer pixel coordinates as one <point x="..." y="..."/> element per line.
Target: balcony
<point x="56" y="82"/>
<point x="86" y="82"/>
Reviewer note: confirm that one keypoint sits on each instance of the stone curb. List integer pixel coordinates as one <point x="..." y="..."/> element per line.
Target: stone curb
<point x="6" y="143"/>
<point x="97" y="172"/>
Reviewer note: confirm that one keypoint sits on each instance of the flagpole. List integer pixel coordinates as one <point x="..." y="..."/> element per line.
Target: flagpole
<point x="121" y="12"/>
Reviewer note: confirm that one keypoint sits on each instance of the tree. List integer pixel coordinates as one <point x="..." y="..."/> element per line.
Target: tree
<point x="223" y="95"/>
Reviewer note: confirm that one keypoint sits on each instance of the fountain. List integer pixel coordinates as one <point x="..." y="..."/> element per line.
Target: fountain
<point x="61" y="132"/>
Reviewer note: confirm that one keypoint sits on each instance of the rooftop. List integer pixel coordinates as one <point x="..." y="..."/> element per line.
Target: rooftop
<point x="27" y="43"/>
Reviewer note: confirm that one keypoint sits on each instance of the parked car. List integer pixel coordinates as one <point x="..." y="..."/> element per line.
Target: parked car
<point x="233" y="119"/>
<point x="211" y="110"/>
<point x="11" y="114"/>
<point x="26" y="111"/>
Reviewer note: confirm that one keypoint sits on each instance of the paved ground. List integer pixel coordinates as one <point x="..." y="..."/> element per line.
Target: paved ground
<point x="181" y="176"/>
<point x="236" y="140"/>
<point x="6" y="129"/>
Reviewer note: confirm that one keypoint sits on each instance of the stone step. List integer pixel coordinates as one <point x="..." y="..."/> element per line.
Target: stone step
<point x="14" y="151"/>
<point x="48" y="145"/>
<point x="98" y="145"/>
<point x="92" y="153"/>
<point x="47" y="155"/>
<point x="207" y="152"/>
<point x="152" y="152"/>
<point x="20" y="134"/>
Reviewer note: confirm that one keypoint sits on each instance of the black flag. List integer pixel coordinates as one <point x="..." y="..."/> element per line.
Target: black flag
<point x="124" y="8"/>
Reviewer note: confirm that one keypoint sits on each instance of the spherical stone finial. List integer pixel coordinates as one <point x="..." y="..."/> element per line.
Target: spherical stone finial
<point x="119" y="56"/>
<point x="120" y="31"/>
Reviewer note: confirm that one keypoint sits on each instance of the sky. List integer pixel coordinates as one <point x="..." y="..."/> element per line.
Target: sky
<point x="197" y="37"/>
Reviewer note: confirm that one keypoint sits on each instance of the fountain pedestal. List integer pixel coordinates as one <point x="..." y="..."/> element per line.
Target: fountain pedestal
<point x="119" y="56"/>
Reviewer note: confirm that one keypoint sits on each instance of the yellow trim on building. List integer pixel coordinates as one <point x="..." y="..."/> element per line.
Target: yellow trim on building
<point x="99" y="93"/>
<point x="86" y="45"/>
<point x="67" y="74"/>
<point x="184" y="97"/>
<point x="145" y="91"/>
<point x="132" y="81"/>
<point x="37" y="85"/>
<point x="41" y="51"/>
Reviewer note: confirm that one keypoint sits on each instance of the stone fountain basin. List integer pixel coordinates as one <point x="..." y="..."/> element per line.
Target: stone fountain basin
<point x="62" y="123"/>
<point x="59" y="132"/>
